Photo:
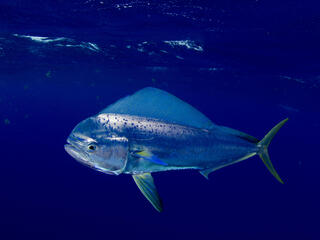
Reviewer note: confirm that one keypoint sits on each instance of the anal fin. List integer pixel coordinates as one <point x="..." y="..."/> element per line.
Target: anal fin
<point x="148" y="189"/>
<point x="206" y="172"/>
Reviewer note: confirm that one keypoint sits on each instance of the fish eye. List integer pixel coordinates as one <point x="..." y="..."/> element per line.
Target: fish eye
<point x="92" y="147"/>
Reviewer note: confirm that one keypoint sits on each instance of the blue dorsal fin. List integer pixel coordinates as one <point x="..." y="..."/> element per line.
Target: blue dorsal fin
<point x="237" y="133"/>
<point x="155" y="103"/>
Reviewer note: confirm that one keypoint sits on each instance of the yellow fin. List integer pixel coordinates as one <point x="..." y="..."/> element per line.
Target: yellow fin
<point x="148" y="189"/>
<point x="264" y="144"/>
<point x="144" y="153"/>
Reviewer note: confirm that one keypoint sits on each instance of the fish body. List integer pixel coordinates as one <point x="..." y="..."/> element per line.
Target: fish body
<point x="152" y="131"/>
<point x="178" y="146"/>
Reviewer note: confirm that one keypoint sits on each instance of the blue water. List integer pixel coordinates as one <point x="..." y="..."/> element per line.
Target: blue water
<point x="244" y="64"/>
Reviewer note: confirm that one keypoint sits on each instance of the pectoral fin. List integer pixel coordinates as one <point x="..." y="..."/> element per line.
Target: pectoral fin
<point x="150" y="157"/>
<point x="146" y="185"/>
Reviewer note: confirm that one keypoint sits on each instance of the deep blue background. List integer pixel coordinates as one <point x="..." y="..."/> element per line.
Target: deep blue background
<point x="259" y="65"/>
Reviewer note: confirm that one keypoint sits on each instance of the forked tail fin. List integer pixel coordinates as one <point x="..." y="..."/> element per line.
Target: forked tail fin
<point x="264" y="144"/>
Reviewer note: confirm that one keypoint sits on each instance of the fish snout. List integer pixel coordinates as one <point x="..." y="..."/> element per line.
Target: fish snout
<point x="76" y="153"/>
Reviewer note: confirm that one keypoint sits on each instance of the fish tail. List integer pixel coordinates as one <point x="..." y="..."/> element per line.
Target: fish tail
<point x="263" y="148"/>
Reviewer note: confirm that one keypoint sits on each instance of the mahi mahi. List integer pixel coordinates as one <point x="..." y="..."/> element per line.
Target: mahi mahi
<point x="152" y="131"/>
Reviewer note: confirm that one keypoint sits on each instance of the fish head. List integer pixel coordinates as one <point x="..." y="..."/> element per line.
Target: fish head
<point x="93" y="145"/>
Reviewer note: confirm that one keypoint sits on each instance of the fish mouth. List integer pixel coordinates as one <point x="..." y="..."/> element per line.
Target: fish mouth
<point x="74" y="151"/>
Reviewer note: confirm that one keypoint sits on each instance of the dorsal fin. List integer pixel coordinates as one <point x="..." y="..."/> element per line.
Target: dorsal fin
<point x="155" y="103"/>
<point x="237" y="133"/>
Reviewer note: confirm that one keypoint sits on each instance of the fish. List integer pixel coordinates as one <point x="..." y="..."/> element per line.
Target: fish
<point x="154" y="131"/>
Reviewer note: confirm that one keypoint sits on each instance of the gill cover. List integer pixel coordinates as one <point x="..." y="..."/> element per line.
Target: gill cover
<point x="114" y="156"/>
